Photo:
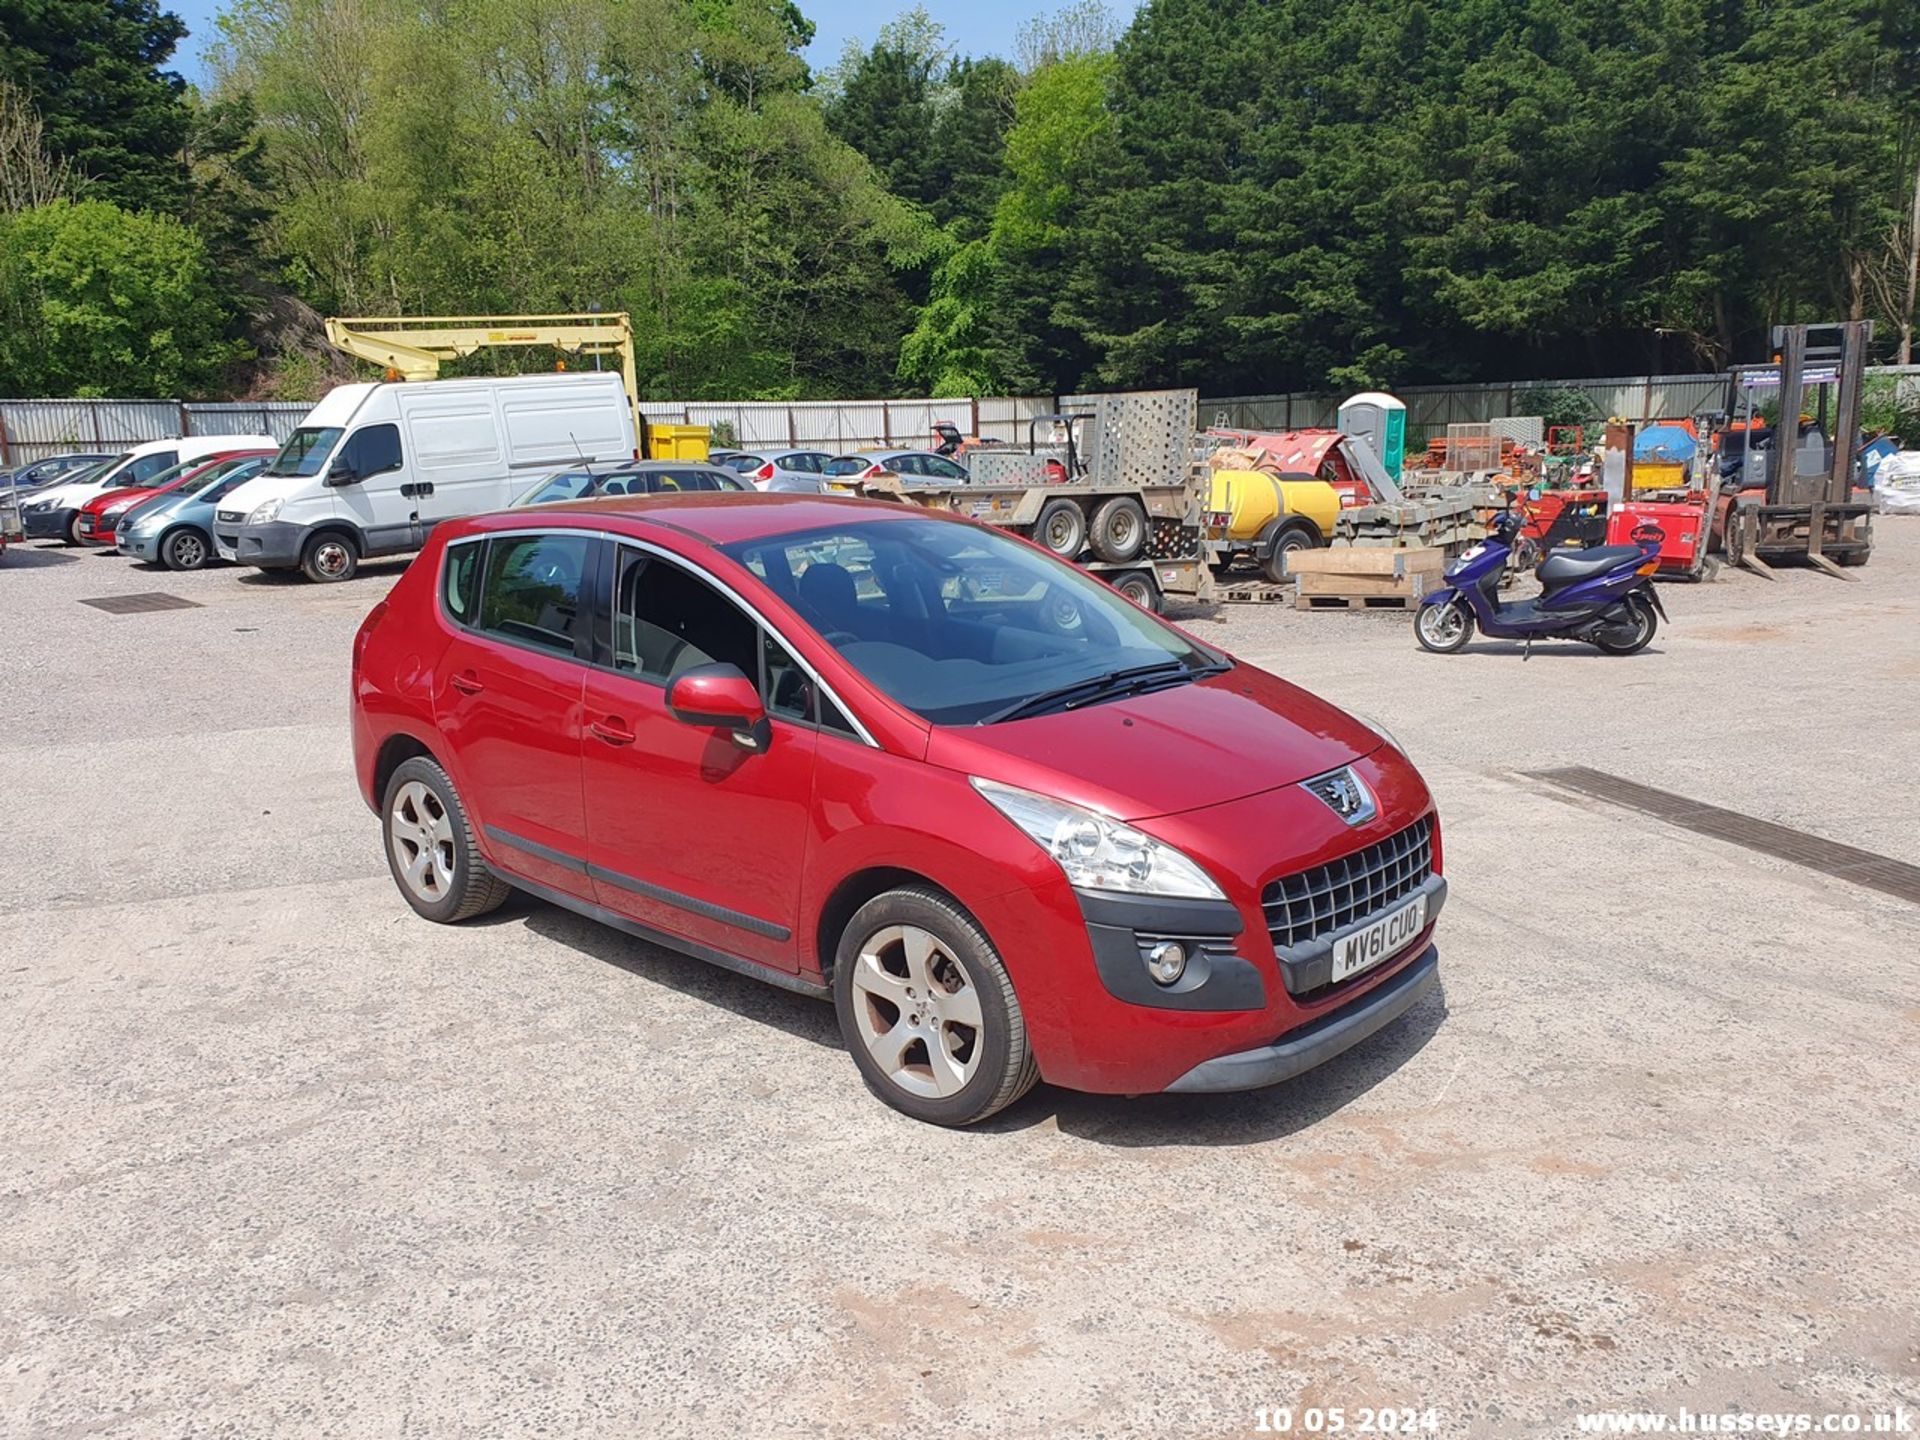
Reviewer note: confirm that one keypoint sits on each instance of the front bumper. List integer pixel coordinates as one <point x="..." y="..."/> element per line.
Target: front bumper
<point x="46" y="524"/>
<point x="1318" y="1041"/>
<point x="272" y="546"/>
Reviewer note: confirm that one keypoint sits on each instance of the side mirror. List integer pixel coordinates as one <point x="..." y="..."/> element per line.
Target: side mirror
<point x="341" y="472"/>
<point x="721" y="697"/>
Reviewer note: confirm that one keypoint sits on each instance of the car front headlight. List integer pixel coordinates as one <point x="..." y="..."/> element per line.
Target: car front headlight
<point x="262" y="514"/>
<point x="1098" y="852"/>
<point x="1377" y="728"/>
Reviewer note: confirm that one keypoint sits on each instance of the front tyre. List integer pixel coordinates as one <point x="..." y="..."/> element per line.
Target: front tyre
<point x="1629" y="635"/>
<point x="1443" y="628"/>
<point x="430" y="847"/>
<point x="329" y="558"/>
<point x="928" y="1011"/>
<point x="185" y="550"/>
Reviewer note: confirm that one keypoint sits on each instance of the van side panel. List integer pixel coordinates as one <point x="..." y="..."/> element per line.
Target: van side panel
<point x="565" y="422"/>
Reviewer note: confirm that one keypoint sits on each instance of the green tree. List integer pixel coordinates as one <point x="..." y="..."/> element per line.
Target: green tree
<point x="93" y="70"/>
<point x="104" y="301"/>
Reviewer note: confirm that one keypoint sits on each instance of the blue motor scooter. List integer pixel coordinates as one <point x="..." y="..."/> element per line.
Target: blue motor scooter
<point x="1603" y="596"/>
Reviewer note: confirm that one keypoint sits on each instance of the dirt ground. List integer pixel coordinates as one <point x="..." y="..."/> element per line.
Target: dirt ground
<point x="280" y="1159"/>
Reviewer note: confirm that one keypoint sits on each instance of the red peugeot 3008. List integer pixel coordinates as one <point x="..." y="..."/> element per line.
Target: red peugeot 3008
<point x="1014" y="825"/>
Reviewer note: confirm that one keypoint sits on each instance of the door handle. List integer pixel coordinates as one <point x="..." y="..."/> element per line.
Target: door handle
<point x="467" y="683"/>
<point x="612" y="730"/>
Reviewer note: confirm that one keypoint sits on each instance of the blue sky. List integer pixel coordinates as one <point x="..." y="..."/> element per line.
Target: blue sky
<point x="976" y="27"/>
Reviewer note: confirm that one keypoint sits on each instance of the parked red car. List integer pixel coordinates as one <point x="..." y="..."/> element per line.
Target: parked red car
<point x="1013" y="824"/>
<point x="100" y="516"/>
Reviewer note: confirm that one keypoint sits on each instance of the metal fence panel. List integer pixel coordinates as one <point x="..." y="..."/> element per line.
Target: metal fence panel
<point x="845" y="425"/>
<point x="34" y="429"/>
<point x="278" y="418"/>
<point x="1006" y="417"/>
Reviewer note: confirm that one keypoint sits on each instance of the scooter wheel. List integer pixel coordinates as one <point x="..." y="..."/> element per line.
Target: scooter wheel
<point x="1443" y="629"/>
<point x="1625" y="639"/>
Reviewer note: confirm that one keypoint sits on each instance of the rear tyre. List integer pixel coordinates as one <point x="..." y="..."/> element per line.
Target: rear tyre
<point x="73" y="530"/>
<point x="1288" y="542"/>
<point x="430" y="847"/>
<point x="330" y="558"/>
<point x="928" y="1011"/>
<point x="1443" y="628"/>
<point x="1630" y="635"/>
<point x="1138" y="587"/>
<point x="1119" y="530"/>
<point x="1062" y="528"/>
<point x="185" y="550"/>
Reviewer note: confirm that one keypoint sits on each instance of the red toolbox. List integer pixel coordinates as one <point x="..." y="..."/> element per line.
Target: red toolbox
<point x="1683" y="551"/>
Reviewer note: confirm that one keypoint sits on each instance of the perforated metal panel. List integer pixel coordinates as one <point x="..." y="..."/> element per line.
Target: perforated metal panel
<point x="1006" y="467"/>
<point x="1137" y="437"/>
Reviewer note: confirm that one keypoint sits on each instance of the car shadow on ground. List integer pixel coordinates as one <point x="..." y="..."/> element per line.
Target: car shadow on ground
<point x="382" y="570"/>
<point x="1247" y="1118"/>
<point x="800" y="1016"/>
<point x="1147" y="1120"/>
<point x="22" y="557"/>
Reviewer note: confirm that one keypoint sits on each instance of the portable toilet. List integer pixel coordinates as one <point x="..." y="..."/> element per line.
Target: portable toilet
<point x="1381" y="421"/>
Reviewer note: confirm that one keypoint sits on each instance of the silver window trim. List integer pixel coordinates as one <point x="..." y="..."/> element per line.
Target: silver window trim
<point x="864" y="735"/>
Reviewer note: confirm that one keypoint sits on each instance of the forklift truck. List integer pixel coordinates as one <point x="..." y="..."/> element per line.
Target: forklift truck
<point x="1809" y="511"/>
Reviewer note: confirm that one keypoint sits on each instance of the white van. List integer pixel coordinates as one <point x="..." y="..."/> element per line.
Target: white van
<point x="374" y="467"/>
<point x="54" y="513"/>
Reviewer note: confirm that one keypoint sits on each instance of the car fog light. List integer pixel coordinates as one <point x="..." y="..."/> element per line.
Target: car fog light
<point x="1167" y="962"/>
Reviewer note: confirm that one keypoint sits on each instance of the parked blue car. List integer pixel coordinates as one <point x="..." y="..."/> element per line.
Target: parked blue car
<point x="176" y="529"/>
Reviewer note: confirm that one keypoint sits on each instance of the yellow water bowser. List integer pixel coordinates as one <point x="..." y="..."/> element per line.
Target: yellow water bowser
<point x="1254" y="499"/>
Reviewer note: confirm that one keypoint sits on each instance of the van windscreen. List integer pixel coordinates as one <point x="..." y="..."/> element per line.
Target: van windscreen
<point x="307" y="451"/>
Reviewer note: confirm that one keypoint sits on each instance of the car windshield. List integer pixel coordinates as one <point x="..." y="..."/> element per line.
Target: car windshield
<point x="213" y="474"/>
<point x="232" y="480"/>
<point x="307" y="451"/>
<point x="561" y="485"/>
<point x="88" y="473"/>
<point x="167" y="476"/>
<point x="964" y="625"/>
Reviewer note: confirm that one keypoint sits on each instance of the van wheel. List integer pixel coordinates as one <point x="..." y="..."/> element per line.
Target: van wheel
<point x="1119" y="530"/>
<point x="928" y="1010"/>
<point x="430" y="847"/>
<point x="184" y="550"/>
<point x="330" y="557"/>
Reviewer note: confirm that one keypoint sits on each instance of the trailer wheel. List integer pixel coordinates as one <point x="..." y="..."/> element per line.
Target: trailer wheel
<point x="1062" y="528"/>
<point x="1119" y="530"/>
<point x="1291" y="541"/>
<point x="1138" y="586"/>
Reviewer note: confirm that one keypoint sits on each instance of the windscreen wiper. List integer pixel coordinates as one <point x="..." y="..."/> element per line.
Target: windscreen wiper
<point x="1102" y="687"/>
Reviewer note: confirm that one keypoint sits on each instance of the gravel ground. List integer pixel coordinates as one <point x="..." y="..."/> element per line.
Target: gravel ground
<point x="281" y="1159"/>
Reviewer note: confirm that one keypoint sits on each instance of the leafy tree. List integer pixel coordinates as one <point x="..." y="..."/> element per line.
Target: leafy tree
<point x="107" y="302"/>
<point x="93" y="70"/>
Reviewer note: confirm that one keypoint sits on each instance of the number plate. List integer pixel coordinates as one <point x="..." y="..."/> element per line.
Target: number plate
<point x="1366" y="948"/>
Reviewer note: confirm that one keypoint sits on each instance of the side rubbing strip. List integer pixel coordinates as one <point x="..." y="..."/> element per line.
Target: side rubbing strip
<point x="537" y="850"/>
<point x="688" y="903"/>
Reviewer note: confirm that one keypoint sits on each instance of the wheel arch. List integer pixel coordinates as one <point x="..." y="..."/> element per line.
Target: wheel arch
<point x="856" y="889"/>
<point x="394" y="752"/>
<point x="1280" y="525"/>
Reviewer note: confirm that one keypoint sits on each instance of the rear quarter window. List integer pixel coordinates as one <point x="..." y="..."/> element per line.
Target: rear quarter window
<point x="460" y="580"/>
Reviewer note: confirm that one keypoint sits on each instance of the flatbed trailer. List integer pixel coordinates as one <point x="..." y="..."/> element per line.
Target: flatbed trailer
<point x="1131" y="508"/>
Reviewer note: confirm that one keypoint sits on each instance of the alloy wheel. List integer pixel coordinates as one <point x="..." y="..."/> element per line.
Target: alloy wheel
<point x="422" y="839"/>
<point x="916" y="1012"/>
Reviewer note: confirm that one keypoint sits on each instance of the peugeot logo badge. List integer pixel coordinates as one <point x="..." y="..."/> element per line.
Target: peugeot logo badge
<point x="1344" y="793"/>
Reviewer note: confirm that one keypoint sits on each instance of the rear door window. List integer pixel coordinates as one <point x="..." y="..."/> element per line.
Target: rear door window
<point x="531" y="593"/>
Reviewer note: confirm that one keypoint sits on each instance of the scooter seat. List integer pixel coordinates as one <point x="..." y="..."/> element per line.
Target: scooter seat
<point x="1564" y="567"/>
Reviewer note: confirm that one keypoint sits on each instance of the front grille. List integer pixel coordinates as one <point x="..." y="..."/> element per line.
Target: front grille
<point x="1331" y="897"/>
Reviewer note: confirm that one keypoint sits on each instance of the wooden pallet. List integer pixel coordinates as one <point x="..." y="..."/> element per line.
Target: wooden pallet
<point x="1356" y="602"/>
<point x="1253" y="592"/>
